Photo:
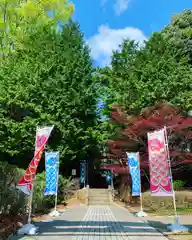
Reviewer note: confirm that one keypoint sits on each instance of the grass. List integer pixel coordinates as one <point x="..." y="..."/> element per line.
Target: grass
<point x="189" y="210"/>
<point x="164" y="211"/>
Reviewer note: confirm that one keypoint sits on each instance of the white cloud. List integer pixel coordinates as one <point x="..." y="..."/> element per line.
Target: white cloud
<point x="106" y="40"/>
<point x="121" y="6"/>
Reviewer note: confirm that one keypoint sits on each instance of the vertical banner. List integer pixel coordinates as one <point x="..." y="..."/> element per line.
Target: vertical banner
<point x="52" y="172"/>
<point x="107" y="175"/>
<point x="26" y="182"/>
<point x="134" y="168"/>
<point x="82" y="172"/>
<point x="160" y="179"/>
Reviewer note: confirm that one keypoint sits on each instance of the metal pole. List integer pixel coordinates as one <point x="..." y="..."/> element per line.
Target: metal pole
<point x="112" y="184"/>
<point x="32" y="187"/>
<point x="112" y="179"/>
<point x="30" y="203"/>
<point x="141" y="201"/>
<point x="56" y="195"/>
<point x="169" y="162"/>
<point x="87" y="172"/>
<point x="84" y="173"/>
<point x="56" y="202"/>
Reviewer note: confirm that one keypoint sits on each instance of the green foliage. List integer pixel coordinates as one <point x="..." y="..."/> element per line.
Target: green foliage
<point x="43" y="203"/>
<point x="140" y="76"/>
<point x="178" y="185"/>
<point x="179" y="33"/>
<point x="66" y="188"/>
<point x="19" y="18"/>
<point x="49" y="83"/>
<point x="12" y="201"/>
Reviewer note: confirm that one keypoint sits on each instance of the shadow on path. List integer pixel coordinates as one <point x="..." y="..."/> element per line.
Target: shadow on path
<point x="69" y="228"/>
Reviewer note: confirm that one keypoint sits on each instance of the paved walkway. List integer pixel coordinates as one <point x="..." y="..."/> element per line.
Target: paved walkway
<point x="98" y="223"/>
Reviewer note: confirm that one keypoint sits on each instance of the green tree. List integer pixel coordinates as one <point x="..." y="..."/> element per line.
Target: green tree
<point x="179" y="33"/>
<point x="140" y="76"/>
<point x="49" y="83"/>
<point x="18" y="18"/>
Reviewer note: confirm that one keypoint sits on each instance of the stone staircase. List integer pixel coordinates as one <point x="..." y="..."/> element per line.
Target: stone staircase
<point x="99" y="196"/>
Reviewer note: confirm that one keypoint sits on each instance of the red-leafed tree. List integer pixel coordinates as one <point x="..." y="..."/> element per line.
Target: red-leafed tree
<point x="134" y="134"/>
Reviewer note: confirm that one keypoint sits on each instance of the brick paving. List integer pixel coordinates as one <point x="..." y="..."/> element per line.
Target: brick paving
<point x="98" y="223"/>
<point x="113" y="223"/>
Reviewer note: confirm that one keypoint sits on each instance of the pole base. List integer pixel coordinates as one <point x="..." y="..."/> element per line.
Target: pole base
<point x="141" y="214"/>
<point x="54" y="213"/>
<point x="28" y="229"/>
<point x="177" y="227"/>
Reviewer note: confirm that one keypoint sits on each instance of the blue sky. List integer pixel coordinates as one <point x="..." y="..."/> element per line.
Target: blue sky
<point x="105" y="23"/>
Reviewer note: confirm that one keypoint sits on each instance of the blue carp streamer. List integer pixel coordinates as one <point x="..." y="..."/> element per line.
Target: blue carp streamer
<point x="52" y="172"/>
<point x="134" y="169"/>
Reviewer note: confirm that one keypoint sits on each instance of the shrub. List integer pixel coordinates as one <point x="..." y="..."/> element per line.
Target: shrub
<point x="40" y="202"/>
<point x="178" y="185"/>
<point x="12" y="201"/>
<point x="43" y="203"/>
<point x="67" y="186"/>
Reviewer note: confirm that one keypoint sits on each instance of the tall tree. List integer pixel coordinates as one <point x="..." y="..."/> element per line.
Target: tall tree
<point x="49" y="83"/>
<point x="179" y="33"/>
<point x="18" y="18"/>
<point x="158" y="70"/>
<point x="140" y="77"/>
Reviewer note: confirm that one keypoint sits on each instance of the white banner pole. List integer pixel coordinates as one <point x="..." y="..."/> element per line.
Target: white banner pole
<point x="57" y="184"/>
<point x="141" y="201"/>
<point x="30" y="202"/>
<point x="87" y="167"/>
<point x="170" y="171"/>
<point x="141" y="213"/>
<point x="176" y="227"/>
<point x="85" y="172"/>
<point x="32" y="188"/>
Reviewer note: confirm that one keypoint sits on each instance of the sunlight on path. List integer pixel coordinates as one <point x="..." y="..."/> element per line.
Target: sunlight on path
<point x="98" y="223"/>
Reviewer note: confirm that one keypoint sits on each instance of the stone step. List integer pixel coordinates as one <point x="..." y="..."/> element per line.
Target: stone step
<point x="98" y="189"/>
<point x="99" y="195"/>
<point x="99" y="199"/>
<point x="99" y="202"/>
